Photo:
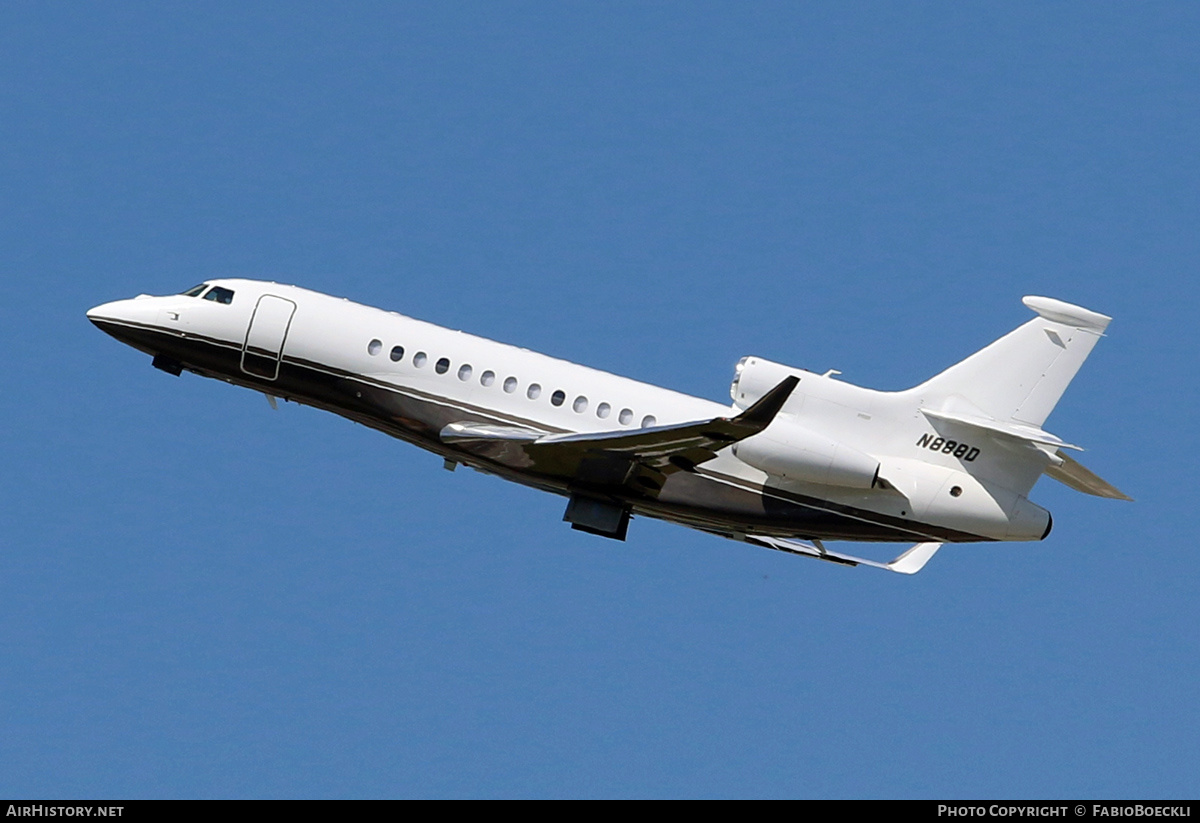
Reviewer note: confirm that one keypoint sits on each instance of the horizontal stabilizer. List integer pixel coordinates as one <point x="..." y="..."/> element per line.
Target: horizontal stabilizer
<point x="1019" y="431"/>
<point x="1073" y="474"/>
<point x="910" y="562"/>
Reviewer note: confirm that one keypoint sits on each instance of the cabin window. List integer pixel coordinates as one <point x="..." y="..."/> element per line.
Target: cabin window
<point x="534" y="391"/>
<point x="580" y="404"/>
<point x="218" y="294"/>
<point x="558" y="397"/>
<point x="464" y="372"/>
<point x="603" y="410"/>
<point x="419" y="359"/>
<point x="397" y="354"/>
<point x="487" y="378"/>
<point x="374" y="347"/>
<point x="510" y="384"/>
<point x="648" y="421"/>
<point x="442" y="366"/>
<point x="626" y="416"/>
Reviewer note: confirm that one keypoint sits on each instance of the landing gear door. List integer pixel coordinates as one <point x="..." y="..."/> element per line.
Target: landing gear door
<point x="266" y="335"/>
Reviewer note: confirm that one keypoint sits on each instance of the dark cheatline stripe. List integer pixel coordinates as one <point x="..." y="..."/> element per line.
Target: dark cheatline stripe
<point x="330" y="388"/>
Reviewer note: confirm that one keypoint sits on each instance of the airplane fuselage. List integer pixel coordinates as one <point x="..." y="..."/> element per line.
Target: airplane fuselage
<point x="481" y="403"/>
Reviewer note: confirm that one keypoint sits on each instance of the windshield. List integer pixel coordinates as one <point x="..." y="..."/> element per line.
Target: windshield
<point x="219" y="295"/>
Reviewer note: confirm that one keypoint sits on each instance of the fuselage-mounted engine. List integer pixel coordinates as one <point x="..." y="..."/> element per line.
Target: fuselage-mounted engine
<point x="790" y="448"/>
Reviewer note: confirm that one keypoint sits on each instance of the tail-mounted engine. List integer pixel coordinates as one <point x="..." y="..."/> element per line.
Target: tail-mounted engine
<point x="790" y="449"/>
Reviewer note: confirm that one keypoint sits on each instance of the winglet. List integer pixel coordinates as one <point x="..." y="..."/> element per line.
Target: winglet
<point x="766" y="407"/>
<point x="913" y="560"/>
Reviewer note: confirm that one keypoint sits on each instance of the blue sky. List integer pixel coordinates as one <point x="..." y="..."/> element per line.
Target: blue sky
<point x="205" y="598"/>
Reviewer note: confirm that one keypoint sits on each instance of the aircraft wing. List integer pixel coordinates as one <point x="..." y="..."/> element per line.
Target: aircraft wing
<point x="614" y="457"/>
<point x="910" y="562"/>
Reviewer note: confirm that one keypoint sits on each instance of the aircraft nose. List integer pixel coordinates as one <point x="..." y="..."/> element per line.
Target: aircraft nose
<point x="102" y="312"/>
<point x="140" y="309"/>
<point x="107" y="316"/>
<point x="118" y="317"/>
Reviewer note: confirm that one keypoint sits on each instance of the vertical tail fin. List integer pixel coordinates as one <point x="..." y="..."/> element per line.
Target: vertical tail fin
<point x="1021" y="376"/>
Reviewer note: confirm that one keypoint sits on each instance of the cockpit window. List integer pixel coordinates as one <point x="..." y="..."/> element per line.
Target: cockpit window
<point x="194" y="291"/>
<point x="220" y="295"/>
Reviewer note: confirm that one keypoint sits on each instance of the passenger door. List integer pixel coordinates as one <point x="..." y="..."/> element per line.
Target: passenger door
<point x="266" y="335"/>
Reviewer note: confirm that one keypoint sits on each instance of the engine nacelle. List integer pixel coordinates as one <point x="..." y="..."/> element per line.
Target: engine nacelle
<point x="793" y="452"/>
<point x="753" y="377"/>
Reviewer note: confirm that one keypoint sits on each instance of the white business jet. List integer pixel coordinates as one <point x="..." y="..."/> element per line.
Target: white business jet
<point x="798" y="459"/>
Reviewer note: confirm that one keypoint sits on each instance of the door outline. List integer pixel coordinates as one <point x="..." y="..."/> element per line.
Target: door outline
<point x="262" y="350"/>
